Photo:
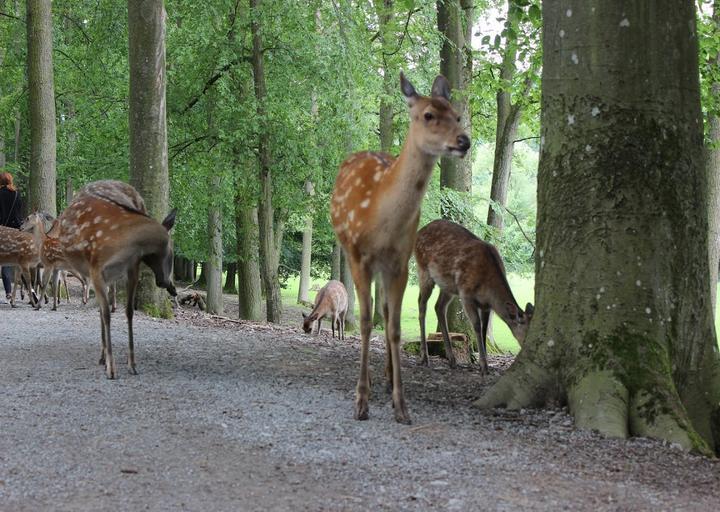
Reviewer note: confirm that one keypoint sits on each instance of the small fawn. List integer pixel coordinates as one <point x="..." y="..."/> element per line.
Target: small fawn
<point x="462" y="265"/>
<point x="17" y="249"/>
<point x="105" y="234"/>
<point x="332" y="300"/>
<point x="375" y="210"/>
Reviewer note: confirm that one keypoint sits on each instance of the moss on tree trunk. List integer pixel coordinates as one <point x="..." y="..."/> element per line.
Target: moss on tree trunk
<point x="623" y="329"/>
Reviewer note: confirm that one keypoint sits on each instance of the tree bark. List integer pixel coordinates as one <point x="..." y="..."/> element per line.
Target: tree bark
<point x="713" y="169"/>
<point x="622" y="325"/>
<point x="231" y="277"/>
<point x="336" y="262"/>
<point x="455" y="24"/>
<point x="269" y="251"/>
<point x="41" y="98"/>
<point x="248" y="268"/>
<point x="147" y="125"/>
<point x="346" y="278"/>
<point x="215" y="254"/>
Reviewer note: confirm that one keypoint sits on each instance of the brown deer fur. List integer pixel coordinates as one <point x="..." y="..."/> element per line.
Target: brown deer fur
<point x="331" y="300"/>
<point x="462" y="265"/>
<point x="18" y="249"/>
<point x="375" y="210"/>
<point x="105" y="234"/>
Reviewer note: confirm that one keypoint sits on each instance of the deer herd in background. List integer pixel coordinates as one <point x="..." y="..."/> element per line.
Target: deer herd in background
<point x="106" y="232"/>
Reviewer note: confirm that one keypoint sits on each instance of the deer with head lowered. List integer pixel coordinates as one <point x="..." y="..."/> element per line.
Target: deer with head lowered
<point x="375" y="210"/>
<point x="331" y="300"/>
<point x="105" y="234"/>
<point x="462" y="265"/>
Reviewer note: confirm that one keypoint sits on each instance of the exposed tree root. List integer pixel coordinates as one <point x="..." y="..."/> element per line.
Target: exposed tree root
<point x="599" y="401"/>
<point x="524" y="385"/>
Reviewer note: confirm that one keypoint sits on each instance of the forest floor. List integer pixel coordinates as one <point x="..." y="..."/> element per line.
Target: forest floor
<point x="238" y="416"/>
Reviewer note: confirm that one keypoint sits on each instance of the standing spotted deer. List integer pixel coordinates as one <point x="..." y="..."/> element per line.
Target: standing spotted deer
<point x="105" y="234"/>
<point x="462" y="265"/>
<point x="331" y="300"/>
<point x="375" y="211"/>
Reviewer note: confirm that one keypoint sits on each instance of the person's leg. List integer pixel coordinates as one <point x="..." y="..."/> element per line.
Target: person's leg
<point x="7" y="279"/>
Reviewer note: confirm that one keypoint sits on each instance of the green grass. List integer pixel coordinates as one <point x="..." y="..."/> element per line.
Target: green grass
<point x="410" y="326"/>
<point x="522" y="287"/>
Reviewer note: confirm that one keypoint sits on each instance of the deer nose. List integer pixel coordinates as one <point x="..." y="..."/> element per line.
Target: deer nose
<point x="463" y="142"/>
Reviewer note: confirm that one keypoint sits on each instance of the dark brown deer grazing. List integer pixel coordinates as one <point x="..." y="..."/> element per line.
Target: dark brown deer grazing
<point x="105" y="234"/>
<point x="375" y="211"/>
<point x="18" y="249"/>
<point x="462" y="265"/>
<point x="331" y="300"/>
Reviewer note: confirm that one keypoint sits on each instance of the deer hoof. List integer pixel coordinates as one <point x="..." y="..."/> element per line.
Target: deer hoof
<point x="362" y="412"/>
<point x="132" y="370"/>
<point x="110" y="371"/>
<point x="401" y="416"/>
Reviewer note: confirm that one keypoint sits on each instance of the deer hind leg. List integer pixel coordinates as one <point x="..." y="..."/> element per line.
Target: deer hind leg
<point x="485" y="317"/>
<point x="27" y="278"/>
<point x="478" y="323"/>
<point x="132" y="282"/>
<point x="362" y="277"/>
<point x="441" y="308"/>
<point x="426" y="288"/>
<point x="394" y="288"/>
<point x="101" y="296"/>
<point x="113" y="297"/>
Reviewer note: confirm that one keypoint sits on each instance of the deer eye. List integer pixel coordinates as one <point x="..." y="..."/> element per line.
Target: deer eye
<point x="428" y="116"/>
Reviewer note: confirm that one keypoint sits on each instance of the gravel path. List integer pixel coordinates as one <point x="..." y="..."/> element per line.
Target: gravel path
<point x="227" y="416"/>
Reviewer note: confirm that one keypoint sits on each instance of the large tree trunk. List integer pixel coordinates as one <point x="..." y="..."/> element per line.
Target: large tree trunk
<point x="622" y="327"/>
<point x="248" y="268"/>
<point x="148" y="130"/>
<point x="41" y="98"/>
<point x="269" y="251"/>
<point x="713" y="167"/>
<point x="215" y="251"/>
<point x="455" y="24"/>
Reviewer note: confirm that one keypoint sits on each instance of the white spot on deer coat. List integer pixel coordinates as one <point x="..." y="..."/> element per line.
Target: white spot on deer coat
<point x="377" y="176"/>
<point x="365" y="203"/>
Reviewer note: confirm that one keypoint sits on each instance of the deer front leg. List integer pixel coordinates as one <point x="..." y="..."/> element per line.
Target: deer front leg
<point x="426" y="288"/>
<point x="362" y="278"/>
<point x="441" y="307"/>
<point x="132" y="282"/>
<point x="102" y="298"/>
<point x="394" y="290"/>
<point x="471" y="311"/>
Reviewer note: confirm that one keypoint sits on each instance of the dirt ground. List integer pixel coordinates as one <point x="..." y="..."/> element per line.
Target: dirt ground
<point x="238" y="416"/>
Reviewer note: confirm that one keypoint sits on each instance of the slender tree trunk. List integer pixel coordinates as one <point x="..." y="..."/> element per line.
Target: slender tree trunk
<point x="16" y="150"/>
<point x="306" y="258"/>
<point x="231" y="277"/>
<point x="41" y="98"/>
<point x="455" y="24"/>
<point x="622" y="325"/>
<point x="346" y="279"/>
<point x="269" y="252"/>
<point x="249" y="288"/>
<point x="713" y="167"/>
<point x="215" y="253"/>
<point x="147" y="123"/>
<point x="336" y="262"/>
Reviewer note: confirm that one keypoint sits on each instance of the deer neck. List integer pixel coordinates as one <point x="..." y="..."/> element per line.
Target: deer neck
<point x="408" y="180"/>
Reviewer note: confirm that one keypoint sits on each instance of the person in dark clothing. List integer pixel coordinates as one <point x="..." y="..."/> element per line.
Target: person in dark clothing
<point x="10" y="215"/>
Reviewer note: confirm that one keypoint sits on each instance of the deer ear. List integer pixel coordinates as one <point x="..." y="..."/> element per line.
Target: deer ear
<point x="441" y="88"/>
<point x="408" y="90"/>
<point x="512" y="310"/>
<point x="529" y="309"/>
<point x="169" y="221"/>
